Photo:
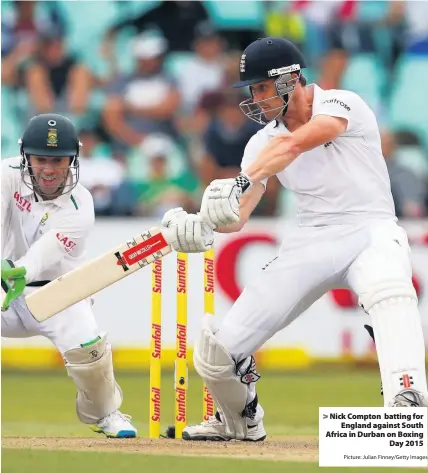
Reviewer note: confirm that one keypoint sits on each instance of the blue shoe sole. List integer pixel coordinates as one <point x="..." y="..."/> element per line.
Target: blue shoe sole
<point x="126" y="434"/>
<point x="122" y="434"/>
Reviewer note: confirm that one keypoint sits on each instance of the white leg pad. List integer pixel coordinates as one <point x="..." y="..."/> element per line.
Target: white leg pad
<point x="400" y="346"/>
<point x="218" y="370"/>
<point x="91" y="368"/>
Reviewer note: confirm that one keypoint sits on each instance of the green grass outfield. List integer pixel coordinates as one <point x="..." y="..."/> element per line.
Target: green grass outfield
<point x="21" y="461"/>
<point x="43" y="405"/>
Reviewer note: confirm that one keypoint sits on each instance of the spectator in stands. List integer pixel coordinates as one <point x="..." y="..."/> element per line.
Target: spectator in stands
<point x="344" y="36"/>
<point x="176" y="21"/>
<point x="56" y="81"/>
<point x="20" y="30"/>
<point x="194" y="125"/>
<point x="231" y="76"/>
<point x="335" y="31"/>
<point x="144" y="101"/>
<point x="409" y="190"/>
<point x="22" y="25"/>
<point x="224" y="143"/>
<point x="225" y="139"/>
<point x="161" y="191"/>
<point x="416" y="14"/>
<point x="285" y="19"/>
<point x="13" y="60"/>
<point x="104" y="177"/>
<point x="205" y="73"/>
<point x="206" y="70"/>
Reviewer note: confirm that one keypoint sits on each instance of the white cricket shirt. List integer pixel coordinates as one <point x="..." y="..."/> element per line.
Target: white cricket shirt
<point x="343" y="181"/>
<point x="47" y="237"/>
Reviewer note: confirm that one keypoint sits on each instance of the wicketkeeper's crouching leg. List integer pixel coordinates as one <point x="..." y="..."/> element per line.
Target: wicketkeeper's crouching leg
<point x="98" y="394"/>
<point x="232" y="385"/>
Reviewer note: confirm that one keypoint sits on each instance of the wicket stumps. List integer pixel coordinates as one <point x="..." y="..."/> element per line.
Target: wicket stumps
<point x="181" y="361"/>
<point x="181" y="375"/>
<point x="207" y="402"/>
<point x="155" y="350"/>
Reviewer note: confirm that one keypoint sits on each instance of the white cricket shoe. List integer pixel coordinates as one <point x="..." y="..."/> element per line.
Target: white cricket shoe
<point x="409" y="398"/>
<point x="115" y="425"/>
<point x="213" y="429"/>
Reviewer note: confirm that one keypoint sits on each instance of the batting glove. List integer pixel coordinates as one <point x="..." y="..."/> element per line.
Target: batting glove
<point x="221" y="199"/>
<point x="193" y="235"/>
<point x="13" y="282"/>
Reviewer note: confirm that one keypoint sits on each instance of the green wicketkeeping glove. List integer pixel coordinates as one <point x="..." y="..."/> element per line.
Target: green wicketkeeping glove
<point x="14" y="279"/>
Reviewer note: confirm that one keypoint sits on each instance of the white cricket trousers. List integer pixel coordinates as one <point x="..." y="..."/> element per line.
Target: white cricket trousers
<point x="67" y="329"/>
<point x="310" y="262"/>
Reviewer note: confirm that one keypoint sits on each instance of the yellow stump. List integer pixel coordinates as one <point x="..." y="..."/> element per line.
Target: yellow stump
<point x="156" y="351"/>
<point x="209" y="278"/>
<point x="181" y="375"/>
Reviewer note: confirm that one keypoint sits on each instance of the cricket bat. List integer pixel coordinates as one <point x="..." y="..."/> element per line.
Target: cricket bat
<point x="98" y="273"/>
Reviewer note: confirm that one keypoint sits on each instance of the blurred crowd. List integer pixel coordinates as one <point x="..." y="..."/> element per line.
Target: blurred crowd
<point x="148" y="85"/>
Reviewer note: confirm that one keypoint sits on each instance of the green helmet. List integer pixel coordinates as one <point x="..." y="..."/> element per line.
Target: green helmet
<point x="50" y="135"/>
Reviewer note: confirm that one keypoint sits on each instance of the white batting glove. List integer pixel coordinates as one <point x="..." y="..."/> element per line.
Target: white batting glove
<point x="173" y="215"/>
<point x="221" y="199"/>
<point x="193" y="235"/>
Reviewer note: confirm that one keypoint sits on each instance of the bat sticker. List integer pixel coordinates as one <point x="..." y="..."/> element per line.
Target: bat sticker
<point x="146" y="248"/>
<point x="121" y="261"/>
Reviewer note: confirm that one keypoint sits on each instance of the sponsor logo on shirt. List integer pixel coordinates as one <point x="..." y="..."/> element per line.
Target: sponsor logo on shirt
<point x="44" y="218"/>
<point x="21" y="203"/>
<point x="342" y="104"/>
<point x="67" y="243"/>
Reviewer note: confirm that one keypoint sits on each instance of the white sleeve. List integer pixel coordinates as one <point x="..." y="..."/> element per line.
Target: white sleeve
<point x="256" y="143"/>
<point x="6" y="192"/>
<point x="65" y="238"/>
<point x="344" y="104"/>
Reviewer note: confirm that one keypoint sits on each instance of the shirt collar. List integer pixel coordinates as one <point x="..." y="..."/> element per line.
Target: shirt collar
<point x="277" y="127"/>
<point x="60" y="201"/>
<point x="317" y="92"/>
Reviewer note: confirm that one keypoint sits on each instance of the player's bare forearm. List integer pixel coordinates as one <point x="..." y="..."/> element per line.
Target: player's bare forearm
<point x="233" y="228"/>
<point x="282" y="150"/>
<point x="248" y="203"/>
<point x="270" y="162"/>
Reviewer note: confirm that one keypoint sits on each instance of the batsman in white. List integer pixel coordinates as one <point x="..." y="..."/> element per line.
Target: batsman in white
<point x="46" y="216"/>
<point x="324" y="146"/>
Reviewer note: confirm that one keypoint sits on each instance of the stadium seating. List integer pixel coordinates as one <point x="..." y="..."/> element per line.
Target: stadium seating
<point x="409" y="97"/>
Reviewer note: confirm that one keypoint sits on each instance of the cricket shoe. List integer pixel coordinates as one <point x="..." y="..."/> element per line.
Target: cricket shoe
<point x="115" y="425"/>
<point x="215" y="430"/>
<point x="409" y="398"/>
